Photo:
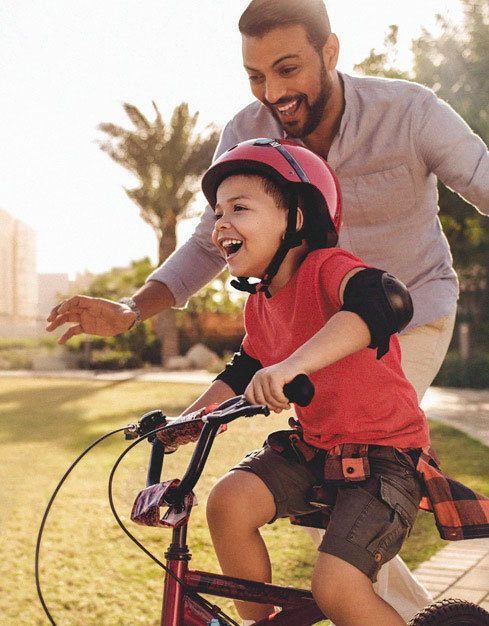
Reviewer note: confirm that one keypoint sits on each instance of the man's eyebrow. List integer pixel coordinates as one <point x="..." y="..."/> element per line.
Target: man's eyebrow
<point x="286" y="56"/>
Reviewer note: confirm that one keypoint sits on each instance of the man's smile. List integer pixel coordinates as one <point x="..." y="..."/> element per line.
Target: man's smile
<point x="289" y="109"/>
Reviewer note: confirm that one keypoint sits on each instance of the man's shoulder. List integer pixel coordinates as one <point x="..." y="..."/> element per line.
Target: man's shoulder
<point x="376" y="89"/>
<point x="254" y="120"/>
<point x="316" y="258"/>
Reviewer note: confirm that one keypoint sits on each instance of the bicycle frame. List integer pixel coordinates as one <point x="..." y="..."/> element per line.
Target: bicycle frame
<point x="180" y="609"/>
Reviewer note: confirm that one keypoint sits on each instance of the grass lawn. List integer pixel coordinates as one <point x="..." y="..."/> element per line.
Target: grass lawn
<point x="91" y="573"/>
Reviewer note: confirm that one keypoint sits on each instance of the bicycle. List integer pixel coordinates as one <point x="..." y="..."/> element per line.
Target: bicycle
<point x="182" y="603"/>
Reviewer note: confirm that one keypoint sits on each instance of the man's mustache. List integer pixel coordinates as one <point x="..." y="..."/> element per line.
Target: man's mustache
<point x="283" y="101"/>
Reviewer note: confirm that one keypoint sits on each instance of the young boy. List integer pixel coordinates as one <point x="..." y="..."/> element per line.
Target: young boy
<point x="319" y="311"/>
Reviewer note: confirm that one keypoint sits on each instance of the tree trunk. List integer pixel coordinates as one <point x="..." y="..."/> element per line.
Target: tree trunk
<point x="166" y="325"/>
<point x="167" y="331"/>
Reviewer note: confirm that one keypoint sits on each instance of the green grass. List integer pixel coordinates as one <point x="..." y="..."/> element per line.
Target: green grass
<point x="91" y="573"/>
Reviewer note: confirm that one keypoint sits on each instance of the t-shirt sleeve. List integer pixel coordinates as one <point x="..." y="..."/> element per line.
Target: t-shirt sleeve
<point x="240" y="370"/>
<point x="332" y="271"/>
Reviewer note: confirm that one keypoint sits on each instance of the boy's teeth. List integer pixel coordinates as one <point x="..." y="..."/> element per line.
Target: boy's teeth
<point x="231" y="245"/>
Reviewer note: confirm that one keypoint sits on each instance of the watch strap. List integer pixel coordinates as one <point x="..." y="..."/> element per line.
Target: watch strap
<point x="134" y="307"/>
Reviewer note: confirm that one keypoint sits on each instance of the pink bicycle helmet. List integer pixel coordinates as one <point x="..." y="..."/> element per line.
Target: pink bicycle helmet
<point x="304" y="173"/>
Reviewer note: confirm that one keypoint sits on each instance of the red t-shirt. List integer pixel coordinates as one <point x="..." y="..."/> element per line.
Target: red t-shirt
<point x="358" y="399"/>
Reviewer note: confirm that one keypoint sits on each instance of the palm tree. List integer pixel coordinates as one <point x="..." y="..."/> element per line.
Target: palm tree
<point x="167" y="160"/>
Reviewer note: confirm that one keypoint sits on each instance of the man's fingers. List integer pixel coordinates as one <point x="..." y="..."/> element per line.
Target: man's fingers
<point x="62" y="319"/>
<point x="54" y="312"/>
<point x="74" y="330"/>
<point x="76" y="302"/>
<point x="66" y="305"/>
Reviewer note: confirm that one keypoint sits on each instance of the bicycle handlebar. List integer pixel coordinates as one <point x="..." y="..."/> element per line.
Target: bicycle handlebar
<point x="300" y="391"/>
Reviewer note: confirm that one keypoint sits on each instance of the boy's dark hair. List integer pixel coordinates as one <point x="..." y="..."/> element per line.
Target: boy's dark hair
<point x="262" y="16"/>
<point x="282" y="193"/>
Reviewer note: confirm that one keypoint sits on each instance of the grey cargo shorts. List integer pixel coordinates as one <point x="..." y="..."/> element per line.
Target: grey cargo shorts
<point x="370" y="518"/>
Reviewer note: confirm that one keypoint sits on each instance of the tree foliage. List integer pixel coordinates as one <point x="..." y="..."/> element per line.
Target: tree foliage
<point x="167" y="160"/>
<point x="121" y="281"/>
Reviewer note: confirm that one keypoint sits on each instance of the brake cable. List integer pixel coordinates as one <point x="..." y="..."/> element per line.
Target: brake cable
<point x="48" y="508"/>
<point x="199" y="599"/>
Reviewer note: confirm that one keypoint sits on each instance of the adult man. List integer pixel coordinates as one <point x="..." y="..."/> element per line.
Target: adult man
<point x="388" y="141"/>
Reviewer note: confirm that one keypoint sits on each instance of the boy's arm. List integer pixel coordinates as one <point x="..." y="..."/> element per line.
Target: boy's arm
<point x="345" y="333"/>
<point x="217" y="392"/>
<point x="232" y="381"/>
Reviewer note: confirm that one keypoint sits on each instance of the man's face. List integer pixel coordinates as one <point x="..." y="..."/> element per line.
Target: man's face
<point x="288" y="75"/>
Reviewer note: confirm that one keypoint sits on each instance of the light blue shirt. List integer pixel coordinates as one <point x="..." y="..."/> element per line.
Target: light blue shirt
<point x="395" y="139"/>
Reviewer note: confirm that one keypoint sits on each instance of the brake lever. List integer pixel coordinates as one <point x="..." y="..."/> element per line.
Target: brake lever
<point x="237" y="409"/>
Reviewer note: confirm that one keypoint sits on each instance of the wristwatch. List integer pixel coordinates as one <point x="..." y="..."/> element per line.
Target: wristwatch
<point x="134" y="307"/>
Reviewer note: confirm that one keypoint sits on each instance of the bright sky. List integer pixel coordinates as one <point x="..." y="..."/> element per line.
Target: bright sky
<point x="67" y="66"/>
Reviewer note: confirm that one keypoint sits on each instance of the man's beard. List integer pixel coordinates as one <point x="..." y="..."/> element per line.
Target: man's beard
<point x="314" y="111"/>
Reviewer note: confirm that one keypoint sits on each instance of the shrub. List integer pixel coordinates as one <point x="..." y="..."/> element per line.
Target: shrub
<point x="114" y="360"/>
<point x="16" y="359"/>
<point x="471" y="373"/>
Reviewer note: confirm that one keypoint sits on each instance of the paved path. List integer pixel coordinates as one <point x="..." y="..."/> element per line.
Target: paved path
<point x="461" y="569"/>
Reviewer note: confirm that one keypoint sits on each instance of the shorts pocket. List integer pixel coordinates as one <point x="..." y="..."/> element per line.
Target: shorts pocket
<point x="377" y="527"/>
<point x="397" y="497"/>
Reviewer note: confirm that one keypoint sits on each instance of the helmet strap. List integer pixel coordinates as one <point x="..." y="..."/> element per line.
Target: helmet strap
<point x="242" y="284"/>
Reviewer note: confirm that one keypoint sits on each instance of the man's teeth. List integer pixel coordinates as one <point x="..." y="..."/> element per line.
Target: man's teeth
<point x="288" y="107"/>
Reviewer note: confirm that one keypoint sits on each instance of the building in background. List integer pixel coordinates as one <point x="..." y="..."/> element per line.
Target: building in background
<point x="55" y="287"/>
<point x="18" y="276"/>
<point x="52" y="287"/>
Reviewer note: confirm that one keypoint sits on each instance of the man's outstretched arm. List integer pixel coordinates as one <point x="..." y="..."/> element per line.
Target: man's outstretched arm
<point x="98" y="316"/>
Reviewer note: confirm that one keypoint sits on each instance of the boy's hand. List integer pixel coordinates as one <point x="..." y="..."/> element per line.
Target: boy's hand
<point x="266" y="386"/>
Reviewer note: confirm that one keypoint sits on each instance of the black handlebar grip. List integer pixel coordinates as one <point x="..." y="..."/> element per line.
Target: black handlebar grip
<point x="300" y="390"/>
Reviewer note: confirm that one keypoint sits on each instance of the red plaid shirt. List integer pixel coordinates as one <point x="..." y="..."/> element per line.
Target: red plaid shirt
<point x="460" y="512"/>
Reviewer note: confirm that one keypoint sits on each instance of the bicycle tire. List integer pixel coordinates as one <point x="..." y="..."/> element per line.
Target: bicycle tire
<point x="451" y="612"/>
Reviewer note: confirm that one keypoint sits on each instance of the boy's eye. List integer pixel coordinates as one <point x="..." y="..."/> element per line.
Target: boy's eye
<point x="239" y="207"/>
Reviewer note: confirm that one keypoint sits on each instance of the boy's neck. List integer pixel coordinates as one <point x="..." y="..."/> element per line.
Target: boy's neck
<point x="288" y="268"/>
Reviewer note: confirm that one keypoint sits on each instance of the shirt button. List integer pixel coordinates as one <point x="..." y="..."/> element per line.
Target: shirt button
<point x="378" y="557"/>
<point x="349" y="470"/>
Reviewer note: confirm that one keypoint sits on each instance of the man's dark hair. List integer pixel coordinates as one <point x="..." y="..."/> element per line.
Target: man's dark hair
<point x="262" y="16"/>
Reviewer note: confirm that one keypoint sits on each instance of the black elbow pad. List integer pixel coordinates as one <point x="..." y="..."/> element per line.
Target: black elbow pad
<point x="239" y="371"/>
<point x="382" y="301"/>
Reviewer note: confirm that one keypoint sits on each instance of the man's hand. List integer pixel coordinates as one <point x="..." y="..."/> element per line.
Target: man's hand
<point x="94" y="316"/>
<point x="266" y="386"/>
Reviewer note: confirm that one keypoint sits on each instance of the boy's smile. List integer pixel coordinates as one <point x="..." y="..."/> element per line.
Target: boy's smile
<point x="249" y="225"/>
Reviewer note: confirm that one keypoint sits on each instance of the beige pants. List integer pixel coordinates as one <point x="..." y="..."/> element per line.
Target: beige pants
<point x="422" y="350"/>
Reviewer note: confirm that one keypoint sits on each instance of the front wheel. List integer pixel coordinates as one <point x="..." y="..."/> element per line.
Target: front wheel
<point x="451" y="613"/>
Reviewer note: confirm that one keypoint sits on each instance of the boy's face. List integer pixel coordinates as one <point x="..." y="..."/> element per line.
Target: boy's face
<point x="249" y="225"/>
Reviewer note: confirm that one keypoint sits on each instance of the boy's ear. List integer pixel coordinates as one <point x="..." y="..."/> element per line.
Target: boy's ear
<point x="299" y="222"/>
